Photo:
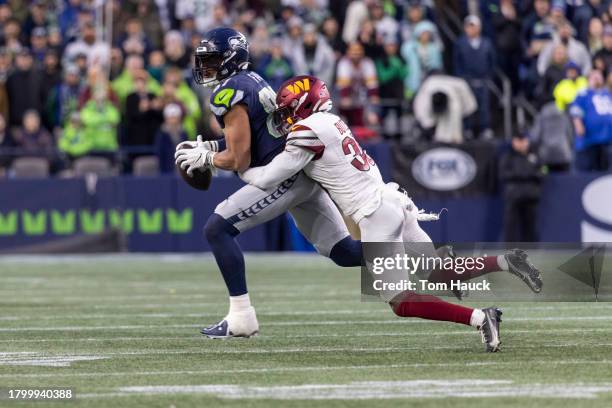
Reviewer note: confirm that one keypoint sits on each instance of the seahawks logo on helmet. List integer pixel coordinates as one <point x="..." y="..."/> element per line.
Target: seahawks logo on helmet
<point x="239" y="42"/>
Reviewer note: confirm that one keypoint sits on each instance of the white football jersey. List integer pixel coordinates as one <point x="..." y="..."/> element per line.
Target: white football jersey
<point x="340" y="165"/>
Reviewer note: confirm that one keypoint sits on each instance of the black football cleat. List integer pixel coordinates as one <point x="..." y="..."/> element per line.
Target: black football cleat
<point x="519" y="265"/>
<point x="489" y="329"/>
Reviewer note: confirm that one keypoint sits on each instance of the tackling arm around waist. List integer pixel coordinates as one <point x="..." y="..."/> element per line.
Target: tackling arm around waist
<point x="284" y="165"/>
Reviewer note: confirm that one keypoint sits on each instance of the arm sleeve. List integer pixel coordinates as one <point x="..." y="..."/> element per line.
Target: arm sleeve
<point x="283" y="166"/>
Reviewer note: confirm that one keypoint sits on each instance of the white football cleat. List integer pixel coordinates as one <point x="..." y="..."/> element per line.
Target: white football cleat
<point x="235" y="324"/>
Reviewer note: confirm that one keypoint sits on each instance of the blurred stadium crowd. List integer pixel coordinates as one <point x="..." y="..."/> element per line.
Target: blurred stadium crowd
<point x="394" y="65"/>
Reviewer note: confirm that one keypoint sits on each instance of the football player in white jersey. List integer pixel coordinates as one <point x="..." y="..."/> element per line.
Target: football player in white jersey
<point x="321" y="144"/>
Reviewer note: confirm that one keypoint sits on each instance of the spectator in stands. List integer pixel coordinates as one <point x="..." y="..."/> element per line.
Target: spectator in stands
<point x="12" y="36"/>
<point x="293" y="37"/>
<point x="68" y="19"/>
<point x="169" y="135"/>
<point x="4" y="137"/>
<point x="391" y="70"/>
<point x="187" y="98"/>
<point x="24" y="97"/>
<point x="157" y="65"/>
<point x="116" y="63"/>
<point x="123" y="85"/>
<point x="474" y="61"/>
<point x="520" y="171"/>
<point x="259" y="41"/>
<point x="5" y="66"/>
<point x="143" y="113"/>
<point x="331" y="31"/>
<point x="507" y="25"/>
<point x="356" y="14"/>
<point x="552" y="136"/>
<point x="74" y="141"/>
<point x="538" y="28"/>
<point x="595" y="35"/>
<point x="414" y="14"/>
<point x="38" y="47"/>
<point x="357" y="85"/>
<point x="576" y="51"/>
<point x="422" y="55"/>
<point x="5" y="14"/>
<point x="314" y="56"/>
<point x="5" y="141"/>
<point x="134" y="40"/>
<point x="592" y="116"/>
<point x="369" y="40"/>
<point x="54" y="40"/>
<point x="602" y="59"/>
<point x="83" y="46"/>
<point x="100" y="118"/>
<point x="387" y="28"/>
<point x="147" y="14"/>
<point x="566" y="90"/>
<point x="441" y="104"/>
<point x="275" y="67"/>
<point x="31" y="138"/>
<point x="581" y="13"/>
<point x="313" y="11"/>
<point x="37" y="18"/>
<point x="554" y="74"/>
<point x="175" y="51"/>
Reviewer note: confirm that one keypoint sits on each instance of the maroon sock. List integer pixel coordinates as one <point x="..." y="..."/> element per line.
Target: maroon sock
<point x="431" y="308"/>
<point x="447" y="275"/>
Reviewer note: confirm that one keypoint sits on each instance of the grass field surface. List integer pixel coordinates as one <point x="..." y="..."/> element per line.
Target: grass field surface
<point x="123" y="331"/>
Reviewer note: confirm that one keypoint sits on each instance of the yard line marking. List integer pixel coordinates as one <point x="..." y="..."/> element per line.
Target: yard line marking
<point x="295" y="323"/>
<point x="365" y="390"/>
<point x="410" y="333"/>
<point x="199" y="351"/>
<point x="297" y="369"/>
<point x="40" y="359"/>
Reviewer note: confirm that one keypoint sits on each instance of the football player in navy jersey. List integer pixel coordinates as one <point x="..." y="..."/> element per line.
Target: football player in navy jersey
<point x="242" y="102"/>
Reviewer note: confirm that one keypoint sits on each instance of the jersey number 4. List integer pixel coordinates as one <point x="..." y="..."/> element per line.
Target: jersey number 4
<point x="359" y="158"/>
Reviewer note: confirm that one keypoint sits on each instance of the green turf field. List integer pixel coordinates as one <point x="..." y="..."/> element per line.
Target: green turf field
<point x="124" y="331"/>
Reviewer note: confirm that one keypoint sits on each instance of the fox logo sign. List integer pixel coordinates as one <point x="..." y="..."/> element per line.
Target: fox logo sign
<point x="298" y="86"/>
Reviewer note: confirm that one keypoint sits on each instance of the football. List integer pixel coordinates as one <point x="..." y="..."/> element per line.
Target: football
<point x="200" y="180"/>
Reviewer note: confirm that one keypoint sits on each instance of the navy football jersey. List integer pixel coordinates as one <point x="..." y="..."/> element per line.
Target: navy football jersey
<point x="248" y="88"/>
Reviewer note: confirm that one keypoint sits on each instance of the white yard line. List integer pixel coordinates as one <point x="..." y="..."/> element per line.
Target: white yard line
<point x="366" y="390"/>
<point x="213" y="372"/>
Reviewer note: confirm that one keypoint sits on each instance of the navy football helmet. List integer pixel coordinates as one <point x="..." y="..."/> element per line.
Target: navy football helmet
<point x="221" y="53"/>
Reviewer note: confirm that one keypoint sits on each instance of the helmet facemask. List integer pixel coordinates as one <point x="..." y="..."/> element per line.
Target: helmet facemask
<point x="207" y="68"/>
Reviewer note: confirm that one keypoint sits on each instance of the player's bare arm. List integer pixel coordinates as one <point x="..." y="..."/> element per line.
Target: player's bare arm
<point x="237" y="154"/>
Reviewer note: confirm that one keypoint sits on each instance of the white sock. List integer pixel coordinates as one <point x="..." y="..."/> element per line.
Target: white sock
<point x="239" y="303"/>
<point x="502" y="263"/>
<point x="477" y="318"/>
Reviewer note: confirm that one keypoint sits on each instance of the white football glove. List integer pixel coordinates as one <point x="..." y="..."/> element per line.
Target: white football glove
<point x="198" y="157"/>
<point x="212" y="145"/>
